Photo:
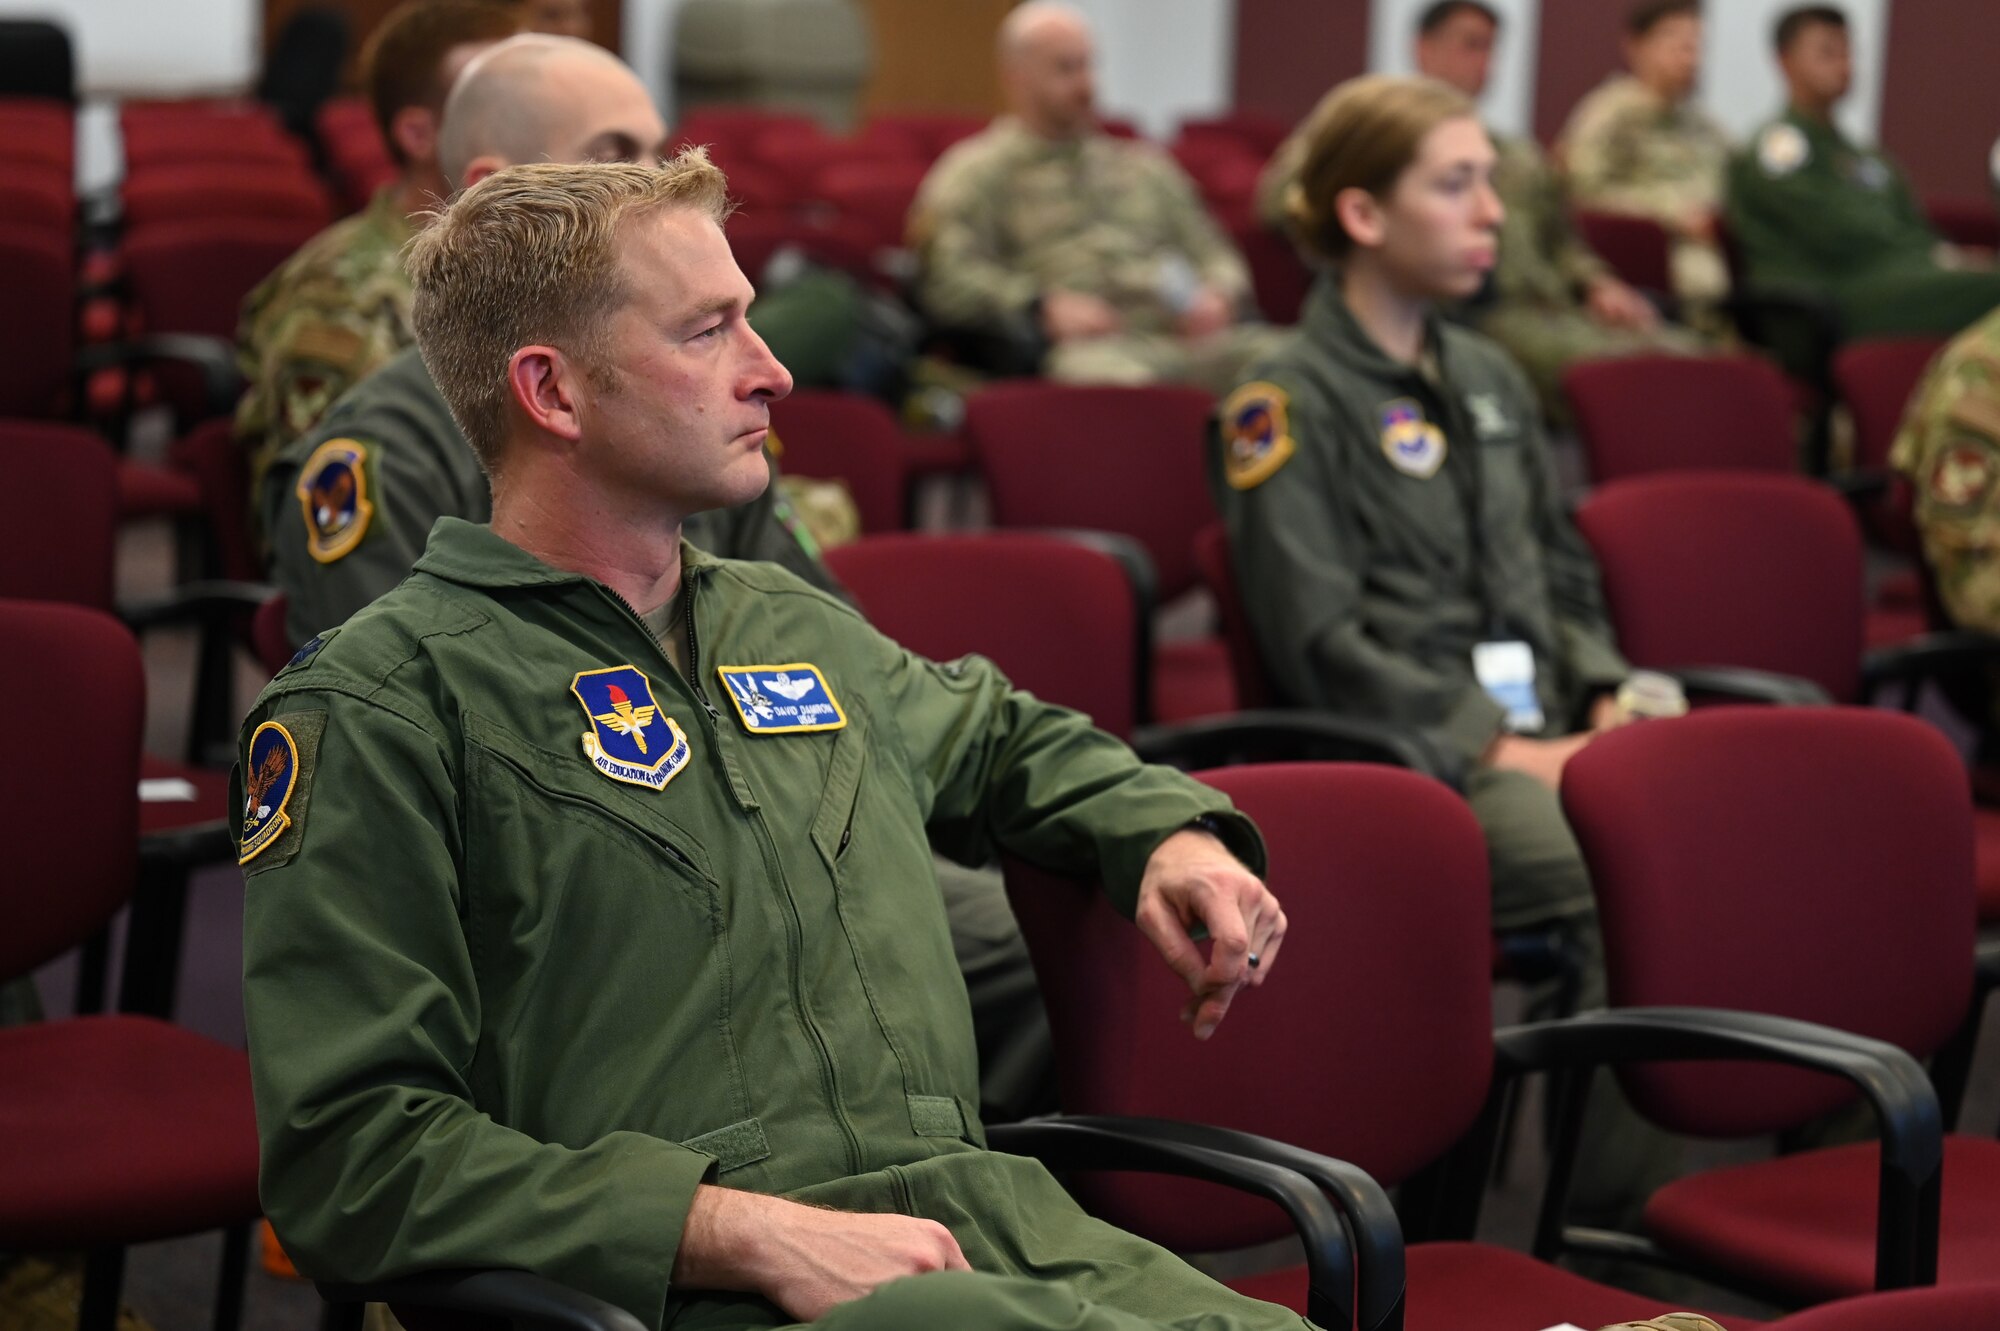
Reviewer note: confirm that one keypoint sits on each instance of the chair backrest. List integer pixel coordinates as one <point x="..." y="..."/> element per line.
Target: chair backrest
<point x="191" y="276"/>
<point x="268" y="638"/>
<point x="36" y="60"/>
<point x="849" y="438"/>
<point x="1637" y="248"/>
<point x="33" y="129"/>
<point x="1279" y="275"/>
<point x="1218" y="574"/>
<point x="190" y="192"/>
<point x="1876" y="378"/>
<point x="1642" y="414"/>
<point x="1807" y="862"/>
<point x="1373" y="1039"/>
<point x="1731" y="569"/>
<point x="1965" y="221"/>
<point x="38" y="333"/>
<point x="1116" y="459"/>
<point x="58" y="514"/>
<point x="875" y="193"/>
<point x="72" y="714"/>
<point x="1058" y="617"/>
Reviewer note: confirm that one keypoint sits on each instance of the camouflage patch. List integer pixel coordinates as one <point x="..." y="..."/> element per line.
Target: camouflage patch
<point x="1963" y="473"/>
<point x="333" y="496"/>
<point x="1256" y="434"/>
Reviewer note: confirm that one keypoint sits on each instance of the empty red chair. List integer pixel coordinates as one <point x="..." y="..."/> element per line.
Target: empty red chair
<point x="1066" y="456"/>
<point x="200" y="191"/>
<point x="1638" y="248"/>
<point x="755" y="237"/>
<point x="758" y="191"/>
<point x="1640" y="414"/>
<point x="1256" y="134"/>
<point x="38" y="131"/>
<point x="37" y="336"/>
<point x="1972" y="222"/>
<point x="1279" y="274"/>
<point x="192" y="276"/>
<point x="33" y="195"/>
<point x="1811" y="863"/>
<point x="875" y="195"/>
<point x="1876" y="378"/>
<point x="116" y="1129"/>
<point x="921" y="135"/>
<point x="852" y="439"/>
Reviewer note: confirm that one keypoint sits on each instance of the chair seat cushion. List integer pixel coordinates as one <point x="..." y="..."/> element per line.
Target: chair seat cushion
<point x="146" y="490"/>
<point x="1949" y="1308"/>
<point x="1477" y="1287"/>
<point x="210" y="803"/>
<point x="122" y="1130"/>
<point x="1192" y="678"/>
<point x="1804" y="1224"/>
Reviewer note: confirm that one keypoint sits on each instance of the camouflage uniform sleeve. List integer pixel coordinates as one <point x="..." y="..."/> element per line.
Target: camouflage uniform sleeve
<point x="1196" y="234"/>
<point x="1949" y="448"/>
<point x="1604" y="154"/>
<point x="956" y="229"/>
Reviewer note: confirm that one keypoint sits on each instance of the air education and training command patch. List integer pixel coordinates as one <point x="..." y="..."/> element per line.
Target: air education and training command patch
<point x="268" y="778"/>
<point x="630" y="739"/>
<point x="782" y="699"/>
<point x="1413" y="445"/>
<point x="1256" y="438"/>
<point x="333" y="494"/>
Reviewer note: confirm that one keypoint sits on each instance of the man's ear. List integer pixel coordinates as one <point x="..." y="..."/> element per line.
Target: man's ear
<point x="1360" y="216"/>
<point x="414" y="130"/>
<point x="479" y="168"/>
<point x="543" y="384"/>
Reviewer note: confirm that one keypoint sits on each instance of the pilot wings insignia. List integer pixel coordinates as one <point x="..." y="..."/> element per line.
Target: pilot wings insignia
<point x="788" y="688"/>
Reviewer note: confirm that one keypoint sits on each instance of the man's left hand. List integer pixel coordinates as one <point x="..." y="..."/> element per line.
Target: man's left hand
<point x="1207" y="314"/>
<point x="1192" y="878"/>
<point x="1617" y="305"/>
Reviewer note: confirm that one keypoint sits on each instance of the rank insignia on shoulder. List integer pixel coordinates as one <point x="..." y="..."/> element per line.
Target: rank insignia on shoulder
<point x="630" y="739"/>
<point x="270" y="771"/>
<point x="1413" y="445"/>
<point x="333" y="496"/>
<point x="782" y="699"/>
<point x="1256" y="438"/>
<point x="1782" y="149"/>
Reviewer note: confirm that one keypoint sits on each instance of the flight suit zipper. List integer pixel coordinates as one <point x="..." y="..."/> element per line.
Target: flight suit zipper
<point x="767" y="847"/>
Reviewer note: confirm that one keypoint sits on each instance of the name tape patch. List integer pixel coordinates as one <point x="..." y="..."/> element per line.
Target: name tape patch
<point x="782" y="699"/>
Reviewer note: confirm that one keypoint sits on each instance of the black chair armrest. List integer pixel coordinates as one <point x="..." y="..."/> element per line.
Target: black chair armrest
<point x="520" y="1299"/>
<point x="1315" y="1192"/>
<point x="1929" y="656"/>
<point x="1860" y="485"/>
<point x="1291" y="735"/>
<point x="190" y="847"/>
<point x="1741" y="684"/>
<point x="202" y="602"/>
<point x="1906" y="1107"/>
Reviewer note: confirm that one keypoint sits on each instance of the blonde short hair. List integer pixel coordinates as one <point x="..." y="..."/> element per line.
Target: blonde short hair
<point x="529" y="256"/>
<point x="1363" y="135"/>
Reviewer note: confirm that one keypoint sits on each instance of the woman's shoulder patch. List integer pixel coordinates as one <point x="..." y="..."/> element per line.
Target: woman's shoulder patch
<point x="1256" y="434"/>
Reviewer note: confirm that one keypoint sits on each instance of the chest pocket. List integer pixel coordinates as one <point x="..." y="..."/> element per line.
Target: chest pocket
<point x="868" y="834"/>
<point x="560" y="874"/>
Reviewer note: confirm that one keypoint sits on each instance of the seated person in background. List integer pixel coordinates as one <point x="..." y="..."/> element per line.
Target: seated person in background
<point x="1550" y="300"/>
<point x="1949" y="447"/>
<point x="341" y="305"/>
<point x="1399" y="541"/>
<point x="1045" y="225"/>
<point x="556" y="18"/>
<point x="1814" y="211"/>
<point x="1638" y="144"/>
<point x="669" y="1015"/>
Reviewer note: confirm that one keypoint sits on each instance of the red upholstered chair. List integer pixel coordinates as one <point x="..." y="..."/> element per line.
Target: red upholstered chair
<point x="921" y="134"/>
<point x="194" y="191"/>
<point x="1876" y="378"/>
<point x="855" y="440"/>
<point x="1218" y="574"/>
<point x="1638" y="249"/>
<point x="1069" y="456"/>
<point x="1641" y="414"/>
<point x="1250" y="132"/>
<point x="1279" y="275"/>
<point x="113" y="1129"/>
<point x="37" y="337"/>
<point x="38" y="130"/>
<point x="35" y="196"/>
<point x="1383" y="878"/>
<point x="1809" y="863"/>
<point x="1964" y="221"/>
<point x="273" y="645"/>
<point x="875" y="195"/>
<point x="1951" y="1308"/>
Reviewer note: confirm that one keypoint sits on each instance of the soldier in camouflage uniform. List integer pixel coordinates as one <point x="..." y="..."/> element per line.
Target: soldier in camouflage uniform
<point x="1949" y="447"/>
<point x="1098" y="244"/>
<point x="1639" y="145"/>
<point x="1552" y="301"/>
<point x="1816" y="212"/>
<point x="341" y="305"/>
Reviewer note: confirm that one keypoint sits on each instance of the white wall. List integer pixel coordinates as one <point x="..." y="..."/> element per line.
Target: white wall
<point x="1509" y="101"/>
<point x="1740" y="80"/>
<point x="648" y="39"/>
<point x="1160" y="62"/>
<point x="156" y="48"/>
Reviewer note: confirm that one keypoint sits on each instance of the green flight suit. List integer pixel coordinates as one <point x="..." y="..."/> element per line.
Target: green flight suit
<point x="414" y="468"/>
<point x="1350" y="483"/>
<point x="1812" y="211"/>
<point x="509" y="1003"/>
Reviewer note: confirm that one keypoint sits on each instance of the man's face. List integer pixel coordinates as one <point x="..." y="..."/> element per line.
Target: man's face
<point x="1818" y="64"/>
<point x="1459" y="51"/>
<point x="599" y="112"/>
<point x="1053" y="82"/>
<point x="1667" y="58"/>
<point x="676" y="405"/>
<point x="1441" y="219"/>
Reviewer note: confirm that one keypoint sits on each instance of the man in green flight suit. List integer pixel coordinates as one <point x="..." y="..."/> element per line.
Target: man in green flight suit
<point x="1816" y="212"/>
<point x="590" y="928"/>
<point x="341" y="305"/>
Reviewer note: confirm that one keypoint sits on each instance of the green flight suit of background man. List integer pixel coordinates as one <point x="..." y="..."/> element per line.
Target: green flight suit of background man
<point x="1815" y="212"/>
<point x="589" y="924"/>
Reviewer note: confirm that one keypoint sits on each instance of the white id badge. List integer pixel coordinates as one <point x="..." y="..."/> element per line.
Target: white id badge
<point x="1506" y="670"/>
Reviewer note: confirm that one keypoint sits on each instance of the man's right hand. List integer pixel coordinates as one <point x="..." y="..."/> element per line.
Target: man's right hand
<point x="1070" y="315"/>
<point x="1541" y="759"/>
<point x="805" y="1259"/>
